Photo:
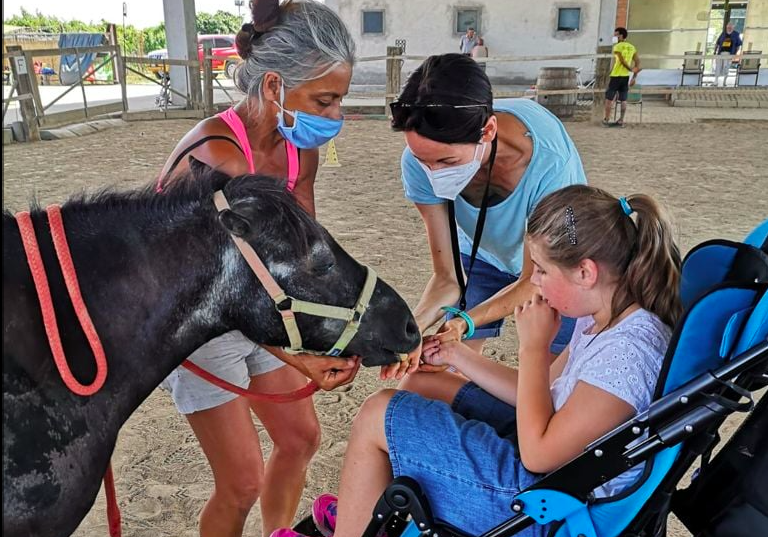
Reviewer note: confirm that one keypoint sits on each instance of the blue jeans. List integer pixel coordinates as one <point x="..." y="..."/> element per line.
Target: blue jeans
<point x="485" y="282"/>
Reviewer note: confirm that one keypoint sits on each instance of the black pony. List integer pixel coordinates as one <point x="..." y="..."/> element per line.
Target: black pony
<point x="160" y="277"/>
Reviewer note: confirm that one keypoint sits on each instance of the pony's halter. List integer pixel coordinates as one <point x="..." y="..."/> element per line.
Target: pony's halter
<point x="287" y="306"/>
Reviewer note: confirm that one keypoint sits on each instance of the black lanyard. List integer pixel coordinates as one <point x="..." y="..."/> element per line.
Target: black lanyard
<point x="478" y="234"/>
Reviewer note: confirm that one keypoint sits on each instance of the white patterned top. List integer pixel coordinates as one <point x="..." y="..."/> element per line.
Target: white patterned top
<point x="624" y="361"/>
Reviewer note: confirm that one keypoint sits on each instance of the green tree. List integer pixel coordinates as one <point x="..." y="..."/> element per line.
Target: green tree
<point x="135" y="41"/>
<point x="154" y="38"/>
<point x="38" y="22"/>
<point x="221" y="22"/>
<point x="130" y="40"/>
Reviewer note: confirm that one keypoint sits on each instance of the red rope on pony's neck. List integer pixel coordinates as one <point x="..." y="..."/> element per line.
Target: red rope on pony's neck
<point x="40" y="278"/>
<point x="113" y="510"/>
<point x="46" y="303"/>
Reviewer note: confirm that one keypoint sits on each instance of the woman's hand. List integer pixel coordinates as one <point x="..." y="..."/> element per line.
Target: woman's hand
<point x="537" y="324"/>
<point x="328" y="372"/>
<point x="402" y="368"/>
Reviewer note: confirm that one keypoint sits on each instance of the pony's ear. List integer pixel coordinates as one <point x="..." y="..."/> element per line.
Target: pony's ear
<point x="236" y="224"/>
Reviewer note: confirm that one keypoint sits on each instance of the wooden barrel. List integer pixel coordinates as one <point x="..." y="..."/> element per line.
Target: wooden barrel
<point x="558" y="78"/>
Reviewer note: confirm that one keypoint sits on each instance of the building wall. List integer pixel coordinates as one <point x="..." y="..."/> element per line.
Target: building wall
<point x="685" y="23"/>
<point x="756" y="31"/>
<point x="509" y="28"/>
<point x="679" y="16"/>
<point x="622" y="11"/>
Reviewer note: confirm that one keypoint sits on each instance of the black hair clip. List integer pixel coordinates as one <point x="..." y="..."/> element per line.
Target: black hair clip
<point x="570" y="225"/>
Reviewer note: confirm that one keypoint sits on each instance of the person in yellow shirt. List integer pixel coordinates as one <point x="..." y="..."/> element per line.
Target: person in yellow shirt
<point x="625" y="61"/>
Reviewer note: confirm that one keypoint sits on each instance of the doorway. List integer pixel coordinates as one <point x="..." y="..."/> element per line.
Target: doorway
<point x="737" y="12"/>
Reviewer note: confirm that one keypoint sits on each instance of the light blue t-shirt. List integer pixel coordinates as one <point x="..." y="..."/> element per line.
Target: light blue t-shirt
<point x="555" y="163"/>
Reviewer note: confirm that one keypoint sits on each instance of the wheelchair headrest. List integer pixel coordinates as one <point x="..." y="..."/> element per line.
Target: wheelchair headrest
<point x="755" y="328"/>
<point x="717" y="261"/>
<point x="723" y="288"/>
<point x="708" y="333"/>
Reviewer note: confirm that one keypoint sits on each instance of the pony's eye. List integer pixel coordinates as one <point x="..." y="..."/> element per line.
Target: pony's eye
<point x="324" y="268"/>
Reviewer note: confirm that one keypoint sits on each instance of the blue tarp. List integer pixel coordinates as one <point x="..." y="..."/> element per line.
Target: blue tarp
<point x="68" y="70"/>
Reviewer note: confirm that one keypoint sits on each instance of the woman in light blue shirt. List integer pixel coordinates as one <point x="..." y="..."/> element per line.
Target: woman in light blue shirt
<point x="467" y="150"/>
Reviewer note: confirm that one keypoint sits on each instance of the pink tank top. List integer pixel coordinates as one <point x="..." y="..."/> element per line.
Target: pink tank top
<point x="233" y="121"/>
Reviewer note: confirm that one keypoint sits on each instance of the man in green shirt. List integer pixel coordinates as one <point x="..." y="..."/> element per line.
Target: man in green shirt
<point x="625" y="61"/>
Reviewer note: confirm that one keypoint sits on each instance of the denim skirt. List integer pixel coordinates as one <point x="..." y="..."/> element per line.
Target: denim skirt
<point x="464" y="456"/>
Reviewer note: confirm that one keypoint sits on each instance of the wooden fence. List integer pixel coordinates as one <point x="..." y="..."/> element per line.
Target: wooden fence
<point x="36" y="114"/>
<point x="199" y="96"/>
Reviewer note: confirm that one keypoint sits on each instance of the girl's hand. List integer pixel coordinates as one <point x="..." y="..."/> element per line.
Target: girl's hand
<point x="425" y="367"/>
<point x="537" y="324"/>
<point x="443" y="353"/>
<point x="452" y="330"/>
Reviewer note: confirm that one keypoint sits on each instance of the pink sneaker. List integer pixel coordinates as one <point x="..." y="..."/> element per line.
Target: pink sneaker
<point x="323" y="514"/>
<point x="285" y="532"/>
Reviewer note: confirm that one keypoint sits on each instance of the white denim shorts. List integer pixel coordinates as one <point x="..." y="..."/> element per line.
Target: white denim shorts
<point x="231" y="357"/>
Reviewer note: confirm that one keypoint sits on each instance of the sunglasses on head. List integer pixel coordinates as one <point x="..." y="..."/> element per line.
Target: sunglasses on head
<point x="434" y="112"/>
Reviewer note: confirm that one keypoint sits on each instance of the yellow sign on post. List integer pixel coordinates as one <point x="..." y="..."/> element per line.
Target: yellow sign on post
<point x="331" y="157"/>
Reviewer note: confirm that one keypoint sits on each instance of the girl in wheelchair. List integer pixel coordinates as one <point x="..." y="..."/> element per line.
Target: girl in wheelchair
<point x="474" y="445"/>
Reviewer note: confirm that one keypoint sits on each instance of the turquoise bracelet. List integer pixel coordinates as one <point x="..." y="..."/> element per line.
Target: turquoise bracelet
<point x="464" y="315"/>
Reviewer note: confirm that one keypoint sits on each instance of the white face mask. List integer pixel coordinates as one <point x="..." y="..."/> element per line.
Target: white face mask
<point x="449" y="182"/>
<point x="615" y="39"/>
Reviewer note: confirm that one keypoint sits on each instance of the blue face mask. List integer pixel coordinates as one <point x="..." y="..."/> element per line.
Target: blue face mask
<point x="308" y="131"/>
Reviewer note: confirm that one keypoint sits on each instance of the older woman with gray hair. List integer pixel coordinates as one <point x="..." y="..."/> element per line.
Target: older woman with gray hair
<point x="297" y="66"/>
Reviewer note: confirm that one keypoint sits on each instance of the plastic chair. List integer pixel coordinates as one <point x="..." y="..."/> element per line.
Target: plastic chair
<point x="692" y="66"/>
<point x="749" y="66"/>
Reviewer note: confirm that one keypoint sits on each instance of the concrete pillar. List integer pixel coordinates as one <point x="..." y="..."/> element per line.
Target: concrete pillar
<point x="181" y="33"/>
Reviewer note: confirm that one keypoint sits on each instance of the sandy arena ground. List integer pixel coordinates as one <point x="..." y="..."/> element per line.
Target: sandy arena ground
<point x="710" y="176"/>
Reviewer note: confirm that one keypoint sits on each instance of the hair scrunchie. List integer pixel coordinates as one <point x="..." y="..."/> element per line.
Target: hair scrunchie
<point x="628" y="210"/>
<point x="265" y="14"/>
<point x="245" y="38"/>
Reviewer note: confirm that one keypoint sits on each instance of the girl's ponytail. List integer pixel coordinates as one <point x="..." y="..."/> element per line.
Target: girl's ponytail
<point x="652" y="277"/>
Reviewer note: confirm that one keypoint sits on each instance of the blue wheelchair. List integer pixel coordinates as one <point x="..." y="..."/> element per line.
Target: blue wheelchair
<point x="716" y="361"/>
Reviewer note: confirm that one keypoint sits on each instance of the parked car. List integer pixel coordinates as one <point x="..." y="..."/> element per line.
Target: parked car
<point x="225" y="57"/>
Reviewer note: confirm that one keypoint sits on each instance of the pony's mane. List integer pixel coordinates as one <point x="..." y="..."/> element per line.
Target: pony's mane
<point x="289" y="220"/>
<point x="191" y="190"/>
